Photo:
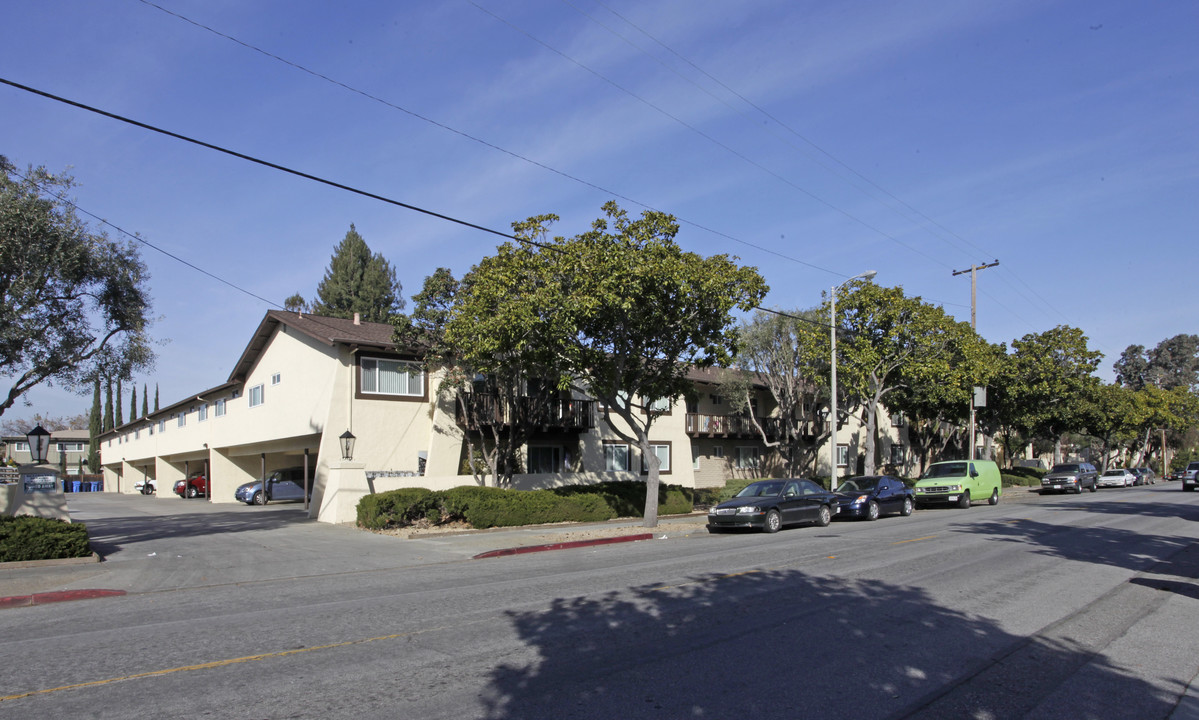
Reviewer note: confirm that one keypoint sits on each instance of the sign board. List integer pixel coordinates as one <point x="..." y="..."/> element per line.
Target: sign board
<point x="40" y="483"/>
<point x="980" y="396"/>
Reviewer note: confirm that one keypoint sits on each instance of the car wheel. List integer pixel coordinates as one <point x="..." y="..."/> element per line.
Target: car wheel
<point x="259" y="498"/>
<point x="872" y="510"/>
<point x="1095" y="486"/>
<point x="907" y="507"/>
<point x="192" y="491"/>
<point x="1078" y="489"/>
<point x="825" y="516"/>
<point x="964" y="500"/>
<point x="994" y="499"/>
<point x="774" y="521"/>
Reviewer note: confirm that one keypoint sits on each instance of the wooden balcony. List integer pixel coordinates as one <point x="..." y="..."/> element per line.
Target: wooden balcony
<point x="735" y="426"/>
<point x="481" y="410"/>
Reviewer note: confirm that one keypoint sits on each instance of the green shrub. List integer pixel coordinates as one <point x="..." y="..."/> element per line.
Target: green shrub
<point x="398" y="507"/>
<point x="626" y="498"/>
<point x="25" y="537"/>
<point x="484" y="507"/>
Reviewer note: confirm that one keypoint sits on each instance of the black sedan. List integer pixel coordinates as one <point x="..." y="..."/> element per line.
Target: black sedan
<point x="768" y="505"/>
<point x="869" y="496"/>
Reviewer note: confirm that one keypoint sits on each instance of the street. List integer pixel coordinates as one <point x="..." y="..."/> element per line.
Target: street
<point x="1076" y="606"/>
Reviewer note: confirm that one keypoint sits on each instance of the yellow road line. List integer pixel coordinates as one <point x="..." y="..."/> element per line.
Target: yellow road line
<point x="926" y="537"/>
<point x="215" y="664"/>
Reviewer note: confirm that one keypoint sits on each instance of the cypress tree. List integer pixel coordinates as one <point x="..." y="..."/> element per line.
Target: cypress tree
<point x="145" y="401"/>
<point x="120" y="414"/>
<point x="133" y="404"/>
<point x="108" y="416"/>
<point x="357" y="281"/>
<point x="155" y="397"/>
<point x="94" y="429"/>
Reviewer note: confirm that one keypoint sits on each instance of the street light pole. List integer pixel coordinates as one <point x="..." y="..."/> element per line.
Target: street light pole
<point x="832" y="398"/>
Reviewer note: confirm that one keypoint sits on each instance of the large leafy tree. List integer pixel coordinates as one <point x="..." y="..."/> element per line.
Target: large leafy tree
<point x="70" y="298"/>
<point x="619" y="311"/>
<point x="1173" y="363"/>
<point x="783" y="352"/>
<point x="357" y="281"/>
<point x="887" y="342"/>
<point x="1043" y="387"/>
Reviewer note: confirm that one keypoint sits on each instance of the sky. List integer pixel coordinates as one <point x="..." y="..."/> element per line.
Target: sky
<point x="812" y="140"/>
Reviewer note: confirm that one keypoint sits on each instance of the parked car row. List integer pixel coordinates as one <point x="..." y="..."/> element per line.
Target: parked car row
<point x="769" y="505"/>
<point x="284" y="485"/>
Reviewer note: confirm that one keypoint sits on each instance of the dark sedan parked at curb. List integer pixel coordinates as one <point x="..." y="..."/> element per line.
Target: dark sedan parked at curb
<point x="870" y="496"/>
<point x="768" y="505"/>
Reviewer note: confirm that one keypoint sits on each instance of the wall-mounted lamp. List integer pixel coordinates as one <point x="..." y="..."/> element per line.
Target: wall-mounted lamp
<point x="39" y="444"/>
<point x="347" y="445"/>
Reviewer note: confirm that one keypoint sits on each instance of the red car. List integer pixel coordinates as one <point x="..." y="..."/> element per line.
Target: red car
<point x="194" y="486"/>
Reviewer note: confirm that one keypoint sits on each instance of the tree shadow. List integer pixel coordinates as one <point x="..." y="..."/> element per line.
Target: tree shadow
<point x="111" y="534"/>
<point x="778" y="643"/>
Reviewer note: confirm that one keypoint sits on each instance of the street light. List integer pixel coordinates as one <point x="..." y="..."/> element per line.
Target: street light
<point x="347" y="445"/>
<point x="832" y="398"/>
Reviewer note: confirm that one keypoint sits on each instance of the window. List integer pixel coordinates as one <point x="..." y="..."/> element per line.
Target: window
<point x="220" y="407"/>
<point x="897" y="420"/>
<point x="661" y="406"/>
<point x="897" y="455"/>
<point x="151" y="427"/>
<point x="662" y="450"/>
<point x="842" y="455"/>
<point x="21" y="447"/>
<point x="162" y="426"/>
<point x="182" y="419"/>
<point x="72" y="447"/>
<point x="202" y="413"/>
<point x="137" y="434"/>
<point x="545" y="460"/>
<point x="392" y="377"/>
<point x="718" y="451"/>
<point x="616" y="457"/>
<point x="747" y="458"/>
<point x="276" y="378"/>
<point x="716" y="399"/>
<point x="256" y="398"/>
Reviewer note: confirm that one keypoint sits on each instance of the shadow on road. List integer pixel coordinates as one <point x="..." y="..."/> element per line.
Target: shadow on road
<point x="784" y="644"/>
<point x="110" y="534"/>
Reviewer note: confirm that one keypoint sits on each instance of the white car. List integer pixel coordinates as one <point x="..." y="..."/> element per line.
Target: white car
<point x="1117" y="477"/>
<point x="146" y="487"/>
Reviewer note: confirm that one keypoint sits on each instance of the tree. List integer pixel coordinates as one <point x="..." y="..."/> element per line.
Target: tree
<point x="783" y="351"/>
<point x="155" y="397"/>
<point x="358" y="282"/>
<point x="1173" y="363"/>
<point x="133" y="404"/>
<point x="295" y="303"/>
<point x="619" y="312"/>
<point x="109" y="419"/>
<point x="94" y="428"/>
<point x="71" y="298"/>
<point x="120" y="413"/>
<point x="1043" y="386"/>
<point x="890" y="342"/>
<point x="20" y="426"/>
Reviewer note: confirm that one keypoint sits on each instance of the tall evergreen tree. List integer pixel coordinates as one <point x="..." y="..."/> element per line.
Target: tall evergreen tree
<point x="93" y="430"/>
<point x="145" y="401"/>
<point x="109" y="423"/>
<point x="155" y="397"/>
<point x="133" y="404"/>
<point x="357" y="281"/>
<point x="119" y="415"/>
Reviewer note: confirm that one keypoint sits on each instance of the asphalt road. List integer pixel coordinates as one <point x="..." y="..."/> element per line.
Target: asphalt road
<point x="1061" y="607"/>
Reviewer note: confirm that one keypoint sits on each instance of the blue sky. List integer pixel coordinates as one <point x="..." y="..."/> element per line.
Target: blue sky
<point x="813" y="140"/>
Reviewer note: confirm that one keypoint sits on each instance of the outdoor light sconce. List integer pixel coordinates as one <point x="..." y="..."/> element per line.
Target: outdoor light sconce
<point x="347" y="445"/>
<point x="39" y="444"/>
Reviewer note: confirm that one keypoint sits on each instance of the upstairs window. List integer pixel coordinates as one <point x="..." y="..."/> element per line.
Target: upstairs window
<point x="392" y="377"/>
<point x="256" y="395"/>
<point x="220" y="407"/>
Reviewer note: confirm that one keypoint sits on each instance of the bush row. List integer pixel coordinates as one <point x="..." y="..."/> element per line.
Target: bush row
<point x="25" y="537"/>
<point x="485" y="507"/>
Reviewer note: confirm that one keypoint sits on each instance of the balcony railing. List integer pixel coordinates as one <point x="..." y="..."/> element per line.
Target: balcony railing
<point x="731" y="425"/>
<point x="482" y="410"/>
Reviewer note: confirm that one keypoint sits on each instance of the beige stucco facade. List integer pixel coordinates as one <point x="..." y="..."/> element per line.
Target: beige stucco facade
<point x="298" y="387"/>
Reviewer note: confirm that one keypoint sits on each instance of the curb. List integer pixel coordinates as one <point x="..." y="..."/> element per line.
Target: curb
<point x="58" y="596"/>
<point x="18" y="564"/>
<point x="563" y="545"/>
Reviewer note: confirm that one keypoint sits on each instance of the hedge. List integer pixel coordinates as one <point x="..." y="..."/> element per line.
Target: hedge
<point x="25" y="537"/>
<point x="485" y="507"/>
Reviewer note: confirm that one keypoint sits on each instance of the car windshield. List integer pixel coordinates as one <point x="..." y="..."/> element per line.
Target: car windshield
<point x="1114" y="472"/>
<point x="953" y="469"/>
<point x="1064" y="468"/>
<point x="761" y="489"/>
<point x="862" y="484"/>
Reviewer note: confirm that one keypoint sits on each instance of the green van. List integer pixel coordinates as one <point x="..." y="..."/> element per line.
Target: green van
<point x="959" y="481"/>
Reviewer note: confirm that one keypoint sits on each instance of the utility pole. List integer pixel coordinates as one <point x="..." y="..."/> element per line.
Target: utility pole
<point x="974" y="326"/>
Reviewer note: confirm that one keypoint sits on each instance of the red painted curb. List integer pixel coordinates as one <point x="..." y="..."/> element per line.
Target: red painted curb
<point x="57" y="596"/>
<point x="563" y="546"/>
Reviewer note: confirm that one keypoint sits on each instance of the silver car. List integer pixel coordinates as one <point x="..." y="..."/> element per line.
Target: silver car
<point x="1117" y="477"/>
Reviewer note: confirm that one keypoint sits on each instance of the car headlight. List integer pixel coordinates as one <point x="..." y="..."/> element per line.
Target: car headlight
<point x="955" y="488"/>
<point x="860" y="499"/>
<point x="748" y="510"/>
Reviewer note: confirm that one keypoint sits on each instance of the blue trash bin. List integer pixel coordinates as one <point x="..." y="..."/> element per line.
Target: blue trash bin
<point x="96" y="486"/>
<point x="74" y="485"/>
